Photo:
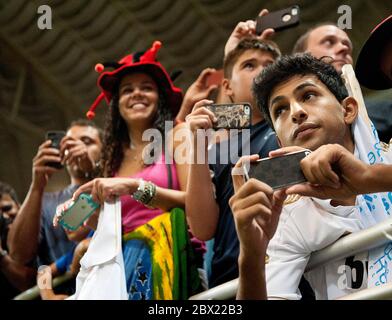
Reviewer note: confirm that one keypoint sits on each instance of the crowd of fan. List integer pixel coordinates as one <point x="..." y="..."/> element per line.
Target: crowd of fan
<point x="233" y="228"/>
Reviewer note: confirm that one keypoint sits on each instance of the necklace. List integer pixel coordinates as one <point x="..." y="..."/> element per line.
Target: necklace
<point x="137" y="155"/>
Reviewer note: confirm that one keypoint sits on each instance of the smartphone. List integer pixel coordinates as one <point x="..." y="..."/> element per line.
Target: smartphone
<point x="74" y="213"/>
<point x="278" y="172"/>
<point x="278" y="20"/>
<point x="55" y="137"/>
<point x="231" y="115"/>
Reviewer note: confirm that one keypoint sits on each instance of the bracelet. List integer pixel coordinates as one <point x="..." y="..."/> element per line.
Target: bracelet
<point x="152" y="193"/>
<point x="145" y="193"/>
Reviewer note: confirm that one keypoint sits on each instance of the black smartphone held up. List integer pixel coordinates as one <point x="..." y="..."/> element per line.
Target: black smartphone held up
<point x="231" y="115"/>
<point x="55" y="137"/>
<point x="279" y="172"/>
<point x="278" y="20"/>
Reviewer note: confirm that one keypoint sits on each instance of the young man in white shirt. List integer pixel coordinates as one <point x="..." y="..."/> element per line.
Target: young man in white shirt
<point x="307" y="104"/>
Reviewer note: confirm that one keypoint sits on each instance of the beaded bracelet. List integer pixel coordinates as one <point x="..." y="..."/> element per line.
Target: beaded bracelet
<point x="145" y="193"/>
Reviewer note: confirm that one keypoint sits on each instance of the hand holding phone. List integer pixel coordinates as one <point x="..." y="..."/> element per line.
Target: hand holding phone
<point x="215" y="78"/>
<point x="55" y="137"/>
<point x="278" y="20"/>
<point x="231" y="115"/>
<point x="72" y="213"/>
<point x="278" y="172"/>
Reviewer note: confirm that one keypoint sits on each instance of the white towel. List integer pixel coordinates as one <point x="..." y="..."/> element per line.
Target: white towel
<point x="102" y="273"/>
<point x="373" y="208"/>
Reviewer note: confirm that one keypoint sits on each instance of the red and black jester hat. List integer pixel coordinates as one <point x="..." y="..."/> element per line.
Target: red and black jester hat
<point x="108" y="80"/>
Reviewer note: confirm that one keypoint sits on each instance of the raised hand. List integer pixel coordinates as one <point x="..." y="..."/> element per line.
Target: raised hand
<point x="256" y="208"/>
<point x="246" y="29"/>
<point x="333" y="173"/>
<point x="75" y="152"/>
<point x="41" y="171"/>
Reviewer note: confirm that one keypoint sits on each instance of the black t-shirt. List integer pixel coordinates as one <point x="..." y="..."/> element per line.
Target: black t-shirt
<point x="7" y="290"/>
<point x="380" y="112"/>
<point x="224" y="265"/>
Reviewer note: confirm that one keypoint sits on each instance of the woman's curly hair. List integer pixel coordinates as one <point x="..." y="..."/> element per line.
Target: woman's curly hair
<point x="116" y="136"/>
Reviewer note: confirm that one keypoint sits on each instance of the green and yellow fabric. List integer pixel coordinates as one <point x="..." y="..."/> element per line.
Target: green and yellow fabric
<point x="159" y="259"/>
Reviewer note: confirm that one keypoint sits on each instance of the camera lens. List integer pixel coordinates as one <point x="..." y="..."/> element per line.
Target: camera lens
<point x="286" y="18"/>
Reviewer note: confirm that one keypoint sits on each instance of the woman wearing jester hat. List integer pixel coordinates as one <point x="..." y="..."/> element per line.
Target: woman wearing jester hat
<point x="142" y="96"/>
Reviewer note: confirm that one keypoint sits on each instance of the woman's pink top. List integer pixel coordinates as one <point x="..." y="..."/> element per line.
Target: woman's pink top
<point x="135" y="214"/>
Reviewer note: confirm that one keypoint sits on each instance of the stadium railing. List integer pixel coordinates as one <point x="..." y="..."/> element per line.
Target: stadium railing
<point x="349" y="245"/>
<point x="33" y="293"/>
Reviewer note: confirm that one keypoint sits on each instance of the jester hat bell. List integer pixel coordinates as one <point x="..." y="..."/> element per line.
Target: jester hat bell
<point x="145" y="62"/>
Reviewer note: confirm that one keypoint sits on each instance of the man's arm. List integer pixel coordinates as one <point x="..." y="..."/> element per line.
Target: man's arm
<point x="379" y="178"/>
<point x="44" y="283"/>
<point x="21" y="277"/>
<point x="256" y="210"/>
<point x="197" y="91"/>
<point x="252" y="284"/>
<point x="201" y="208"/>
<point x="79" y="252"/>
<point x="24" y="234"/>
<point x="246" y="29"/>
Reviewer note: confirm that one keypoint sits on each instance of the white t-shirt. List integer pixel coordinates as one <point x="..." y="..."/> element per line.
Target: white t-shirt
<point x="305" y="226"/>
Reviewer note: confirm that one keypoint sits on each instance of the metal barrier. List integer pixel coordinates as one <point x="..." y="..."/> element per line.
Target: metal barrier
<point x="349" y="245"/>
<point x="33" y="293"/>
<point x="224" y="291"/>
<point x="352" y="244"/>
<point x="383" y="292"/>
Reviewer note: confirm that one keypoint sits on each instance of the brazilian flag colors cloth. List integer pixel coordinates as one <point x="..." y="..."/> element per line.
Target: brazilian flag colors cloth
<point x="159" y="260"/>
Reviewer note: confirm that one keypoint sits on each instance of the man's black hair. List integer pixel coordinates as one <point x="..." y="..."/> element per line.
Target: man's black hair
<point x="7" y="189"/>
<point x="287" y="67"/>
<point x="86" y="123"/>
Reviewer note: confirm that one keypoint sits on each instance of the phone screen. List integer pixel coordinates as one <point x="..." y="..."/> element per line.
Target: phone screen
<point x="279" y="172"/>
<point x="78" y="212"/>
<point x="231" y="115"/>
<point x="55" y="137"/>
